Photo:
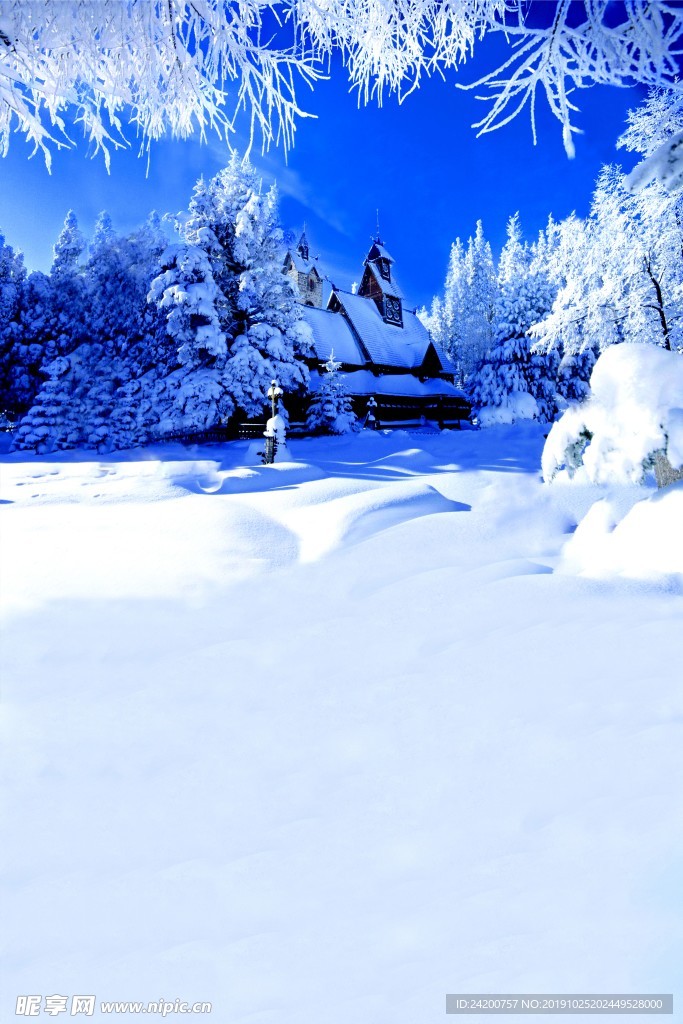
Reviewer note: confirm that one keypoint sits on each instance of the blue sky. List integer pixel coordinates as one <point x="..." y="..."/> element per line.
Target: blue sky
<point x="419" y="163"/>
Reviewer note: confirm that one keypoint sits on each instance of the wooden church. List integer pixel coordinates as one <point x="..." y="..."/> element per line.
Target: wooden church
<point x="385" y="350"/>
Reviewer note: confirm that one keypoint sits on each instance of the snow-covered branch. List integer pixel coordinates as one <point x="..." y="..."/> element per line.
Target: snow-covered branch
<point x="164" y="66"/>
<point x="183" y="67"/>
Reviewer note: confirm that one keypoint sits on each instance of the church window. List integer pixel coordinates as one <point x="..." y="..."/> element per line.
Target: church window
<point x="393" y="310"/>
<point x="384" y="269"/>
<point x="311" y="284"/>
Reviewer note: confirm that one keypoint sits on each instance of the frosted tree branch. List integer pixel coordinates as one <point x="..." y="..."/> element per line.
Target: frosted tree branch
<point x="186" y="66"/>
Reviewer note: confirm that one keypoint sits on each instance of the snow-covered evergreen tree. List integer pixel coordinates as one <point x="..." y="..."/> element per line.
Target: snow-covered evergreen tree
<point x="52" y="321"/>
<point x="185" y="291"/>
<point x="331" y="411"/>
<point x="270" y="336"/>
<point x="34" y="346"/>
<point x="86" y="349"/>
<point x="118" y="273"/>
<point x="149" y="352"/>
<point x="514" y="257"/>
<point x="584" y="313"/>
<point x="619" y="274"/>
<point x="12" y="276"/>
<point x="55" y="419"/>
<point x="573" y="376"/>
<point x="512" y="382"/>
<point x="461" y="319"/>
<point x="238" y="326"/>
<point x="68" y="290"/>
<point x="478" y="318"/>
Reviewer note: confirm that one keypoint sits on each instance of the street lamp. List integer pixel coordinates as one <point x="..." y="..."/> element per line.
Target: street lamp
<point x="275" y="427"/>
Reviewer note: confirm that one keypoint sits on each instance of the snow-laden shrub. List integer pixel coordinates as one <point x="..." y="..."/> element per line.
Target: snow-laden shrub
<point x="516" y="405"/>
<point x="634" y="412"/>
<point x="331" y="410"/>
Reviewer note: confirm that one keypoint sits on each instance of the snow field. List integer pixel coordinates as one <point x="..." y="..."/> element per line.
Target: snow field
<point x="327" y="740"/>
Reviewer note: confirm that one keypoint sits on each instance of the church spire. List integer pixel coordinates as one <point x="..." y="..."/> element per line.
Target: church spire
<point x="378" y="282"/>
<point x="302" y="246"/>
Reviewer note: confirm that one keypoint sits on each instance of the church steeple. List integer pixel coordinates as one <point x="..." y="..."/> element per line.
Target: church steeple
<point x="302" y="246"/>
<point x="305" y="272"/>
<point x="379" y="283"/>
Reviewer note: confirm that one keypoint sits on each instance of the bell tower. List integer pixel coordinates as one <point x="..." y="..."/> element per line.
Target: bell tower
<point x="378" y="283"/>
<point x="304" y="272"/>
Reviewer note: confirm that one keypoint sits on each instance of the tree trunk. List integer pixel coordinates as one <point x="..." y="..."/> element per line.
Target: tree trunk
<point x="660" y="303"/>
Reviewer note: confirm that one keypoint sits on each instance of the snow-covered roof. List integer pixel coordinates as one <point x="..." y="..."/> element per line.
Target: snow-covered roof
<point x="388" y="287"/>
<point x="378" y="251"/>
<point x="400" y="385"/>
<point x="301" y="265"/>
<point x="445" y="360"/>
<point x="331" y="331"/>
<point x="387" y="344"/>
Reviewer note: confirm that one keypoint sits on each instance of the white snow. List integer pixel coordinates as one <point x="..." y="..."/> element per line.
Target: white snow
<point x="365" y="382"/>
<point x="634" y="410"/>
<point x="647" y="542"/>
<point x="665" y="164"/>
<point x="325" y="740"/>
<point x="387" y="344"/>
<point x="518" y="405"/>
<point x="332" y="331"/>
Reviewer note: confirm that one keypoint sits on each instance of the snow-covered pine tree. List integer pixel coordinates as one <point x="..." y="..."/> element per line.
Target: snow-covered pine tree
<point x="460" y="319"/>
<point x="68" y="289"/>
<point x="583" y="313"/>
<point x="479" y="313"/>
<point x="54" y="421"/>
<point x="573" y="376"/>
<point x="270" y="337"/>
<point x="35" y="341"/>
<point x="98" y="365"/>
<point x="456" y="294"/>
<point x="543" y="365"/>
<point x="63" y="332"/>
<point x="96" y="319"/>
<point x="193" y="396"/>
<point x="512" y="382"/>
<point x="12" y="276"/>
<point x="619" y="273"/>
<point x="239" y="325"/>
<point x="514" y="256"/>
<point x="331" y="411"/>
<point x="118" y="273"/>
<point x="150" y="354"/>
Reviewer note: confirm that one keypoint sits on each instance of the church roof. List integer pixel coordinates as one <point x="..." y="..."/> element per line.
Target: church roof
<point x="379" y="252"/>
<point x="400" y="385"/>
<point x="331" y="331"/>
<point x="304" y="266"/>
<point x="387" y="344"/>
<point x="357" y="331"/>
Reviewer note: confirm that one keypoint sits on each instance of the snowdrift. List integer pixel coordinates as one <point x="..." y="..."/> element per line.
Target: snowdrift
<point x="635" y="411"/>
<point x="647" y="543"/>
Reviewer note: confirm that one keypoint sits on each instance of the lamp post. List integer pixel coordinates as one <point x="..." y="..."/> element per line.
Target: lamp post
<point x="274" y="394"/>
<point x="275" y="427"/>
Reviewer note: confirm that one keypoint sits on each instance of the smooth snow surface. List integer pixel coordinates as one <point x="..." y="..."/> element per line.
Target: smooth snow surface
<point x="647" y="542"/>
<point x="325" y="740"/>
